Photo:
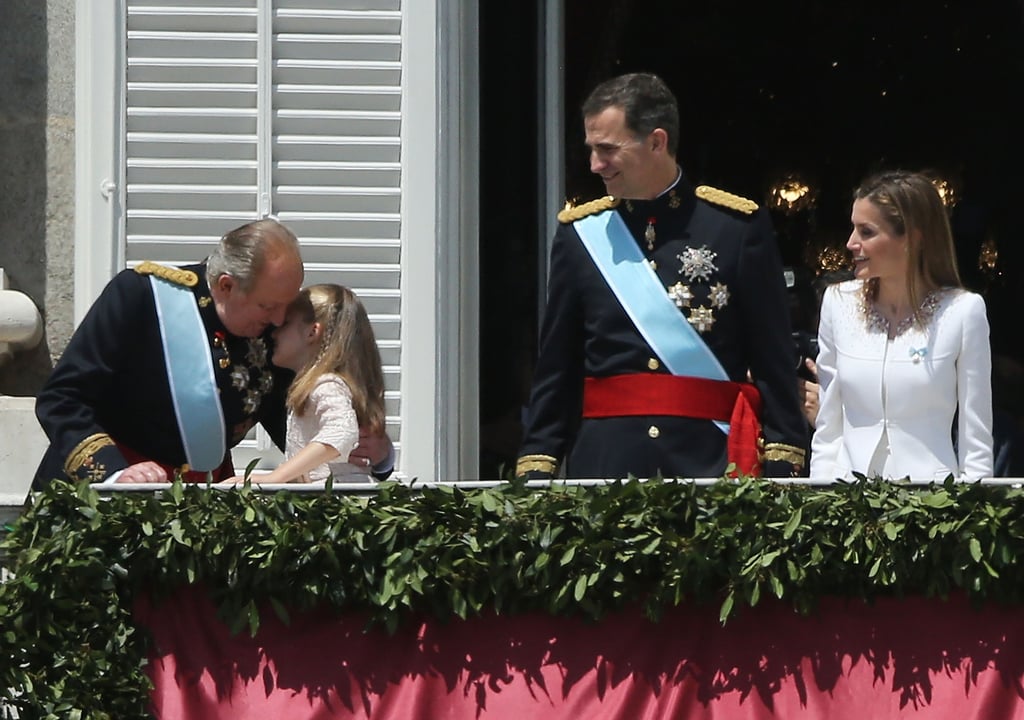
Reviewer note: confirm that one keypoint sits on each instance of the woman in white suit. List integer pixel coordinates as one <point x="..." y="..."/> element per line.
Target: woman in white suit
<point x="903" y="348"/>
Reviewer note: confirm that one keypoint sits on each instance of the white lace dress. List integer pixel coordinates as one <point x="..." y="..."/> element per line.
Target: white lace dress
<point x="329" y="418"/>
<point x="886" y="406"/>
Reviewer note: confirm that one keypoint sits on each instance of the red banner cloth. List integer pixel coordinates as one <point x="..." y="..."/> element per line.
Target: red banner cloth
<point x="911" y="658"/>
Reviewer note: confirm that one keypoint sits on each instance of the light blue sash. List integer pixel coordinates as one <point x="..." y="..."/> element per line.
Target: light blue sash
<point x="190" y="374"/>
<point x="645" y="300"/>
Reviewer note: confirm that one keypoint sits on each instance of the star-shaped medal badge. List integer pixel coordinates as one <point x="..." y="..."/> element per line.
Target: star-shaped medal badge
<point x="702" y="318"/>
<point x="697" y="263"/>
<point x="257" y="353"/>
<point x="240" y="377"/>
<point x="719" y="295"/>
<point x="251" y="402"/>
<point x="680" y="294"/>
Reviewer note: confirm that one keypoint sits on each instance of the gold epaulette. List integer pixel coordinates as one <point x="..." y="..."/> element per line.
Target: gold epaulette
<point x="171" y="274"/>
<point x="725" y="199"/>
<point x="536" y="463"/>
<point x="572" y="214"/>
<point x="786" y="453"/>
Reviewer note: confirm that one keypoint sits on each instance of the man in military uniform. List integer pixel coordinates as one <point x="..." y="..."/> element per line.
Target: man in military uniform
<point x="663" y="300"/>
<point x="170" y="368"/>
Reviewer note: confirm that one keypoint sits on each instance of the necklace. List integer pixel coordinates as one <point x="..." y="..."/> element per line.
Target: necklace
<point x="877" y="322"/>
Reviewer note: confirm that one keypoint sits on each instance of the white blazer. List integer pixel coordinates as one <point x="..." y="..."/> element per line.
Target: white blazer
<point x="905" y="390"/>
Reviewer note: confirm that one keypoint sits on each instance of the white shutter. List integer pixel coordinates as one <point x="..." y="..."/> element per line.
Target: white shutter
<point x="239" y="108"/>
<point x="336" y="154"/>
<point x="191" y="143"/>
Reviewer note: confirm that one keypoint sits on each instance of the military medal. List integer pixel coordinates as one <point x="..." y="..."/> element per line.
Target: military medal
<point x="680" y="294"/>
<point x="251" y="401"/>
<point x="257" y="353"/>
<point x="702" y="318"/>
<point x="697" y="263"/>
<point x="649" y="233"/>
<point x="220" y="343"/>
<point x="719" y="295"/>
<point x="240" y="377"/>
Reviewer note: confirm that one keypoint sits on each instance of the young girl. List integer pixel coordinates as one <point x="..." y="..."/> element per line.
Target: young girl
<point x="328" y="341"/>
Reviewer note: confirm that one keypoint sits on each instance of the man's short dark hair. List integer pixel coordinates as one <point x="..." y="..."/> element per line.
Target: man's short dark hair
<point x="645" y="100"/>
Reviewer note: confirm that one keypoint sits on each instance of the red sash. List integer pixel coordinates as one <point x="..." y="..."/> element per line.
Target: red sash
<point x="739" y="404"/>
<point x="226" y="469"/>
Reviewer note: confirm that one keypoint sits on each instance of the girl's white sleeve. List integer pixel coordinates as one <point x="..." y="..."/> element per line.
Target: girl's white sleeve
<point x="337" y="424"/>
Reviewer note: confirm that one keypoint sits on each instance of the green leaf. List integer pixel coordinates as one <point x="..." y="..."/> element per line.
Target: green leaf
<point x="975" y="548"/>
<point x="726" y="610"/>
<point x="794" y="522"/>
<point x="874" y="567"/>
<point x="254" y="618"/>
<point x="176" y="532"/>
<point x="580" y="589"/>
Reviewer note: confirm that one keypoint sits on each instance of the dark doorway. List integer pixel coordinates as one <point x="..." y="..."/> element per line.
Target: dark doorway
<point x="823" y="91"/>
<point x="509" y="227"/>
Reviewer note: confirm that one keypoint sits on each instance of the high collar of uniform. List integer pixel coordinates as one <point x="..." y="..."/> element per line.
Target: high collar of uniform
<point x="678" y="195"/>
<point x="204" y="298"/>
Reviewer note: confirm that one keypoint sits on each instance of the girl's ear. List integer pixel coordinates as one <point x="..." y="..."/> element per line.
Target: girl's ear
<point x="316" y="331"/>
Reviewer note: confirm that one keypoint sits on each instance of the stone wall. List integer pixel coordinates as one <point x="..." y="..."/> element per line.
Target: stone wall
<point x="37" y="144"/>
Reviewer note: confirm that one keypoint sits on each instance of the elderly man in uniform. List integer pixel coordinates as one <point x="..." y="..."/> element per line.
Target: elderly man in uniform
<point x="170" y="368"/>
<point x="664" y="299"/>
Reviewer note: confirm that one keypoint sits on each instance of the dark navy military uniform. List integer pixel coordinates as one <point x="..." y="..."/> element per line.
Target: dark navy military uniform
<point x="716" y="256"/>
<point x="110" y="389"/>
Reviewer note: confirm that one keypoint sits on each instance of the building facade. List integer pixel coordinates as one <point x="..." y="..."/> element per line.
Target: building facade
<point x="145" y="130"/>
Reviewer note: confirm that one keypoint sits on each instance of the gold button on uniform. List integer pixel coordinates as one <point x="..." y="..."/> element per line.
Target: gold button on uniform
<point x="653" y="431"/>
<point x="653" y="364"/>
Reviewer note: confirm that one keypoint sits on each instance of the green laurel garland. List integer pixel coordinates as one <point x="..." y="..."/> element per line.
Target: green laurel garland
<point x="69" y="648"/>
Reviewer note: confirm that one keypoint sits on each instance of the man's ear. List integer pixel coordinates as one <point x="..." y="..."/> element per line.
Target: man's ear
<point x="659" y="140"/>
<point x="226" y="283"/>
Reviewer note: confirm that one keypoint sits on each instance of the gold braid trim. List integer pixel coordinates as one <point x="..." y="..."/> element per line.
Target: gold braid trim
<point x="172" y="274"/>
<point x="540" y="463"/>
<point x="84" y="452"/>
<point x="786" y="453"/>
<point x="572" y="214"/>
<point x="725" y="199"/>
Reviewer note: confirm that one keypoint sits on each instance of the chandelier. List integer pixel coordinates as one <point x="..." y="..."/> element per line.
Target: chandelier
<point x="791" y="195"/>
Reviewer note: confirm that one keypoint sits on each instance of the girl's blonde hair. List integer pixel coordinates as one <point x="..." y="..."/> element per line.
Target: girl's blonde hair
<point x="347" y="348"/>
<point x="912" y="206"/>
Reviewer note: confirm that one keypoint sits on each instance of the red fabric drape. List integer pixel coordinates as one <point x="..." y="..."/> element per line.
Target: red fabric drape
<point x="912" y="658"/>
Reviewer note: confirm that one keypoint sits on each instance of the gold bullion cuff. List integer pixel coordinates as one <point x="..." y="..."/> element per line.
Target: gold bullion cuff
<point x="785" y="453"/>
<point x="84" y="452"/>
<point x="536" y="463"/>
